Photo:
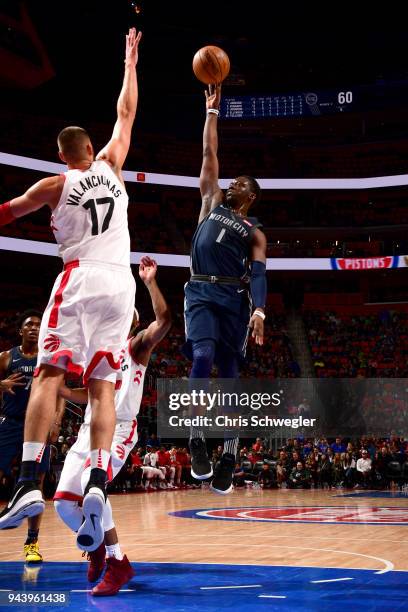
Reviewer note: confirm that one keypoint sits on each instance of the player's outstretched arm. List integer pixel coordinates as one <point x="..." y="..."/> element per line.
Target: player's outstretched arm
<point x="211" y="194"/>
<point x="258" y="284"/>
<point x="47" y="191"/>
<point x="78" y="396"/>
<point x="116" y="150"/>
<point x="145" y="341"/>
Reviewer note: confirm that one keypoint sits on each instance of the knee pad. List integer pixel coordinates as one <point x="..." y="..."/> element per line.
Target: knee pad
<point x="203" y="358"/>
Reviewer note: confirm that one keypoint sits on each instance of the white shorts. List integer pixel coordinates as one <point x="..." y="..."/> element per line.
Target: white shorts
<point x="88" y="318"/>
<point x="78" y="458"/>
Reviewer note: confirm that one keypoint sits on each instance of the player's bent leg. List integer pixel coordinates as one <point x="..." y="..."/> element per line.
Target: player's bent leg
<point x="69" y="512"/>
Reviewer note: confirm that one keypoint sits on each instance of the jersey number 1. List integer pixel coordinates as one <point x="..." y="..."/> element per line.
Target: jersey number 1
<point x="91" y="205"/>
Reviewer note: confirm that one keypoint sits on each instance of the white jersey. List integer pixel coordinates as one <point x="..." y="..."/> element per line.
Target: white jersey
<point x="128" y="397"/>
<point x="90" y="219"/>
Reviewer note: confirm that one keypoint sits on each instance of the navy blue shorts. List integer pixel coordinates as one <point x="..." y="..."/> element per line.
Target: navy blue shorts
<point x="218" y="313"/>
<point x="11" y="445"/>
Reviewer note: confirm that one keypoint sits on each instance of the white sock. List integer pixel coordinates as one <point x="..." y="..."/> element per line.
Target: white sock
<point x="33" y="451"/>
<point x="196" y="433"/>
<point x="107" y="519"/>
<point x="231" y="446"/>
<point x="100" y="459"/>
<point x="114" y="551"/>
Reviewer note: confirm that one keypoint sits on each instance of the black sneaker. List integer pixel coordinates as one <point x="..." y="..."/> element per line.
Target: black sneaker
<point x="200" y="464"/>
<point x="91" y="532"/>
<point x="25" y="501"/>
<point x="224" y="473"/>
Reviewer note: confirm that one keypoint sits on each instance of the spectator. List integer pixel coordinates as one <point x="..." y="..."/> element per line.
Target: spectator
<point x="266" y="477"/>
<point x="164" y="462"/>
<point x="364" y="469"/>
<point x="282" y="469"/>
<point x="349" y="467"/>
<point x="300" y="477"/>
<point x="326" y="472"/>
<point x="338" y="446"/>
<point x="257" y="445"/>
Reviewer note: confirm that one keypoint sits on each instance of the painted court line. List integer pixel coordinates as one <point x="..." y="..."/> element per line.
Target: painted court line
<point x="89" y="590"/>
<point x="272" y="596"/>
<point x="389" y="566"/>
<point x="240" y="586"/>
<point x="332" y="580"/>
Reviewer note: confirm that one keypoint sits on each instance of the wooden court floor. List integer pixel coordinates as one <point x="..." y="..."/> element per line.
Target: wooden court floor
<point x="148" y="533"/>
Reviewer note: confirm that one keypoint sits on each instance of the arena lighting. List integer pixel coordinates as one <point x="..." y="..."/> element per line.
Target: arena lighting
<point x="152" y="178"/>
<point x="348" y="264"/>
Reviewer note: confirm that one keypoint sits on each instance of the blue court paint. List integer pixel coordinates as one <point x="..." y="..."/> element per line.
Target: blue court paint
<point x="176" y="587"/>
<point x="328" y="515"/>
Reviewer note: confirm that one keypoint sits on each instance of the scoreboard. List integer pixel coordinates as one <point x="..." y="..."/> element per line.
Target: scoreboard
<point x="381" y="95"/>
<point x="288" y="105"/>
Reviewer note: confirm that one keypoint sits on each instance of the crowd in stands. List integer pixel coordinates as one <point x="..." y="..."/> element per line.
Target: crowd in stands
<point x="320" y="463"/>
<point x="348" y="345"/>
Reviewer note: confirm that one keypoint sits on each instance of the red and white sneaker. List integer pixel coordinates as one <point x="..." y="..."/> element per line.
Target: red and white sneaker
<point x="117" y="574"/>
<point x="97" y="563"/>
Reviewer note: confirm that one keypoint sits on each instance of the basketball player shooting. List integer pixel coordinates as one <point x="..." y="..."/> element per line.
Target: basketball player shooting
<point x="228" y="250"/>
<point x="91" y="306"/>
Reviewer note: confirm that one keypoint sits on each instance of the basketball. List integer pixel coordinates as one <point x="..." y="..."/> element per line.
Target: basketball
<point x="211" y="65"/>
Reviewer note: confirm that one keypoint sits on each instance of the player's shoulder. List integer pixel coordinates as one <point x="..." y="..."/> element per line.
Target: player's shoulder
<point x="102" y="162"/>
<point x="135" y="347"/>
<point x="5" y="357"/>
<point x="51" y="186"/>
<point x="258" y="235"/>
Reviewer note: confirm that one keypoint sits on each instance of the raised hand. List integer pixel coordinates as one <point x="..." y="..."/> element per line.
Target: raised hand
<point x="147" y="269"/>
<point x="132" y="47"/>
<point x="213" y="96"/>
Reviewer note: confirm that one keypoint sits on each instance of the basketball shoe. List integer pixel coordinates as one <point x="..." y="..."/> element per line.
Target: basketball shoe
<point x="117" y="574"/>
<point x="91" y="533"/>
<point x="223" y="475"/>
<point x="26" y="501"/>
<point x="32" y="553"/>
<point x="97" y="562"/>
<point x="200" y="464"/>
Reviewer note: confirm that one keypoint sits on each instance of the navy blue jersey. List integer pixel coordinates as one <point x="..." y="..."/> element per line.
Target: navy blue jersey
<point x="14" y="406"/>
<point x="221" y="245"/>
